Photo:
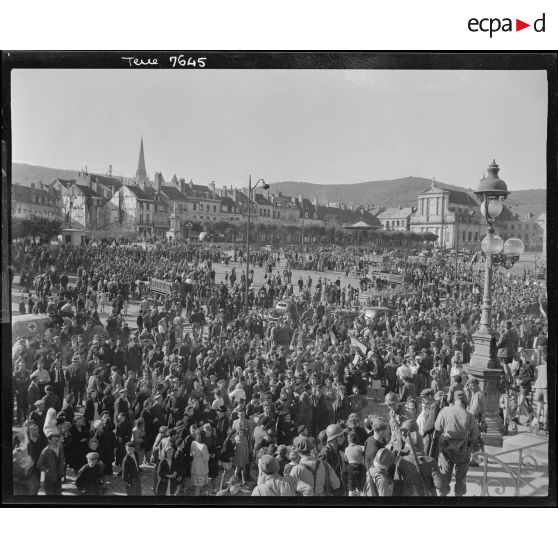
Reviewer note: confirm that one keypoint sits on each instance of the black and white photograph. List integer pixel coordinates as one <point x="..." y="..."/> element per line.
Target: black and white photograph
<point x="237" y="276"/>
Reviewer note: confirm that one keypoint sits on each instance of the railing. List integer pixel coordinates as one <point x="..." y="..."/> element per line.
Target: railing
<point x="516" y="473"/>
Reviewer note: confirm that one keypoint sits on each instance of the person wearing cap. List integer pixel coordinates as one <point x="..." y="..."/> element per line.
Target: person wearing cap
<point x="272" y="484"/>
<point x="131" y="471"/>
<point x="332" y="453"/>
<point x="379" y="479"/>
<point x="458" y="434"/>
<point x="427" y="419"/>
<point x="316" y="473"/>
<point x="52" y="463"/>
<point x="89" y="479"/>
<point x="379" y="439"/>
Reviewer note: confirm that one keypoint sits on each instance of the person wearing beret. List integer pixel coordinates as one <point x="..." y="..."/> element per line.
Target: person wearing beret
<point x="89" y="480"/>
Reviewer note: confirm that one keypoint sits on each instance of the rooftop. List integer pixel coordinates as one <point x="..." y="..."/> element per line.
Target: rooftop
<point x="395" y="213"/>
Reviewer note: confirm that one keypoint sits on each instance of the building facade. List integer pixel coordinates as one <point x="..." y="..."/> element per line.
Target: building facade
<point x="37" y="199"/>
<point x="452" y="215"/>
<point x="396" y="218"/>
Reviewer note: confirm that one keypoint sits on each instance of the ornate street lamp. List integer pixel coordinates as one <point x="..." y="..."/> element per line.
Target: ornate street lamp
<point x="264" y="186"/>
<point x="485" y="365"/>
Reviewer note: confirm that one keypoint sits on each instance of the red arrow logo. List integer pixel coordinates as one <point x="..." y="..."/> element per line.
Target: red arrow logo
<point x="519" y="25"/>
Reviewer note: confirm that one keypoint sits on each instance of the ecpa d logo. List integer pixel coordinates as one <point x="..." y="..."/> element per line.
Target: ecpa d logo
<point x="495" y="24"/>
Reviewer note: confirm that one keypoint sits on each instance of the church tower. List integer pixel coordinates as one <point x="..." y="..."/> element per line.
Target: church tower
<point x="141" y="173"/>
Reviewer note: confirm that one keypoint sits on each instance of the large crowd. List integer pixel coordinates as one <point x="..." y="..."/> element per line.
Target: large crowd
<point x="212" y="394"/>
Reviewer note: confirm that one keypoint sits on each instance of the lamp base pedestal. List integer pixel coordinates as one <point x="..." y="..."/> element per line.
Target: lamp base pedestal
<point x="486" y="368"/>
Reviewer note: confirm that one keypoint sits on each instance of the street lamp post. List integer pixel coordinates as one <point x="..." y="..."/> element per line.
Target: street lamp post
<point x="251" y="188"/>
<point x="484" y="364"/>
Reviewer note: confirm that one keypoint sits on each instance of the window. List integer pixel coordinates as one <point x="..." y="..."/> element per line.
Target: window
<point x="470" y="236"/>
<point x="141" y="206"/>
<point x="194" y="207"/>
<point x="214" y="209"/>
<point x="476" y="236"/>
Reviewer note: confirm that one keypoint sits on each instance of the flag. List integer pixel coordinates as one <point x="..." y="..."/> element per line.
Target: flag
<point x="333" y="338"/>
<point x="358" y="345"/>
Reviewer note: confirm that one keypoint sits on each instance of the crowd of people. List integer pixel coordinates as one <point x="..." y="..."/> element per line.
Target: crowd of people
<point x="212" y="394"/>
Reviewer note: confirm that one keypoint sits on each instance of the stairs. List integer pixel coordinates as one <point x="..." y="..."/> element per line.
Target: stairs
<point x="531" y="473"/>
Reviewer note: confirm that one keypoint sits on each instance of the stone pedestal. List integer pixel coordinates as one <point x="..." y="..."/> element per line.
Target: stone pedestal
<point x="486" y="368"/>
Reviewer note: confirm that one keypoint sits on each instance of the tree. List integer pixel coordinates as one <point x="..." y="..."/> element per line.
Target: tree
<point x="35" y="226"/>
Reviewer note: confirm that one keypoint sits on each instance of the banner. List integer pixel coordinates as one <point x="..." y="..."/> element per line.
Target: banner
<point x="356" y="343"/>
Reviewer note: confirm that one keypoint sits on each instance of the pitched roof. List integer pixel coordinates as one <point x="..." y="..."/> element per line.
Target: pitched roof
<point x="86" y="191"/>
<point x="371" y="220"/>
<point x="361" y="225"/>
<point x="261" y="199"/>
<point x="375" y="211"/>
<point x="140" y="194"/>
<point x="173" y="194"/>
<point x="395" y="213"/>
<point x="242" y="198"/>
<point x="27" y="194"/>
<point x="507" y="215"/>
<point x="227" y="201"/>
<point x="460" y="197"/>
<point x="65" y="182"/>
<point x="106" y="180"/>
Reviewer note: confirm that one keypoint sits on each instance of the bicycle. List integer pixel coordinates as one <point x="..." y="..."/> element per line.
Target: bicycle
<point x="521" y="413"/>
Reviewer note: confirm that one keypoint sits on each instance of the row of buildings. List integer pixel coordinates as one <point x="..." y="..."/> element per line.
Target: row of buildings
<point x="94" y="206"/>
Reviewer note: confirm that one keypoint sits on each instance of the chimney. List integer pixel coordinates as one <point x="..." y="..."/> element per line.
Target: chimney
<point x="158" y="181"/>
<point x="110" y="171"/>
<point x="182" y="185"/>
<point x="300" y="199"/>
<point x="235" y="195"/>
<point x="212" y="186"/>
<point x="32" y="185"/>
<point x="191" y="183"/>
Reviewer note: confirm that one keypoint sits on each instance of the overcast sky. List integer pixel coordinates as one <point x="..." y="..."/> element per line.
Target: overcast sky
<point x="319" y="126"/>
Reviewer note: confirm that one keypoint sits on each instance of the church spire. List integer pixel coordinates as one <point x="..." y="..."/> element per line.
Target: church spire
<point x="141" y="173"/>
